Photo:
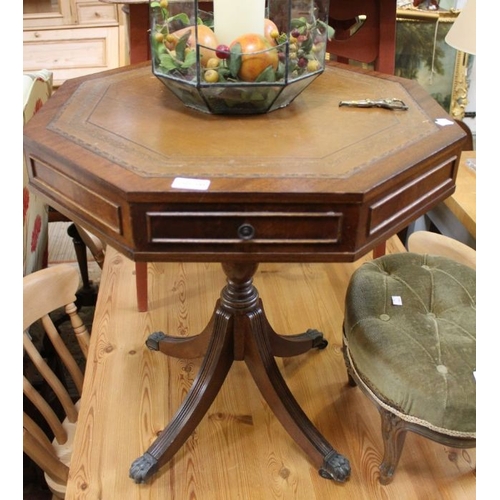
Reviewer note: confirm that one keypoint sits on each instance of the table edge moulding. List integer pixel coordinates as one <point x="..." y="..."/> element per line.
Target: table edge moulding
<point x="312" y="182"/>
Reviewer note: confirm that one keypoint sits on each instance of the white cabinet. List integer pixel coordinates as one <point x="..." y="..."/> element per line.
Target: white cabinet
<point x="73" y="37"/>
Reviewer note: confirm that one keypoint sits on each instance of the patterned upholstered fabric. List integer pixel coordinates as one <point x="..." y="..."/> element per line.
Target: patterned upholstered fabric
<point x="417" y="359"/>
<point x="37" y="88"/>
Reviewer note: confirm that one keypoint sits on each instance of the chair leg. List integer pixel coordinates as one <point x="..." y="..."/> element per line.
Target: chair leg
<point x="81" y="254"/>
<point x="141" y="284"/>
<point x="393" y="434"/>
<point x="87" y="294"/>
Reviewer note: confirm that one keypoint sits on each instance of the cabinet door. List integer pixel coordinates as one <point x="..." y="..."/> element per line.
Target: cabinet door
<point x="72" y="52"/>
<point x="37" y="13"/>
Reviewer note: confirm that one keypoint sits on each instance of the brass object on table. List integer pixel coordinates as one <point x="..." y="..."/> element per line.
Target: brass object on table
<point x="376" y="103"/>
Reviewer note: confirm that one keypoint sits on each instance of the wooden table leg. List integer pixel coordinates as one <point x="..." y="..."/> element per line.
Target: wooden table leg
<point x="379" y="250"/>
<point x="141" y="285"/>
<point x="239" y="330"/>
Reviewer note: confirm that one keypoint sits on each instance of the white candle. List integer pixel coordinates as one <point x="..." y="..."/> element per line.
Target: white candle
<point x="233" y="18"/>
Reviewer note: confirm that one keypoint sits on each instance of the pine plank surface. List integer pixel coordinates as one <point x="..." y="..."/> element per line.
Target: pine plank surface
<point x="239" y="450"/>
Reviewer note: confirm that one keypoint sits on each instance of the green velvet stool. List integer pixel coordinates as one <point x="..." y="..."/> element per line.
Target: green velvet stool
<point x="410" y="345"/>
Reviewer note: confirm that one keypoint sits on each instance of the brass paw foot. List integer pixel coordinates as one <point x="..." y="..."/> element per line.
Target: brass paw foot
<point x="153" y="341"/>
<point x="336" y="467"/>
<point x="143" y="467"/>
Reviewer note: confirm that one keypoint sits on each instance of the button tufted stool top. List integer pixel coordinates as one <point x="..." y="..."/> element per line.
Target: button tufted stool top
<point x="410" y="341"/>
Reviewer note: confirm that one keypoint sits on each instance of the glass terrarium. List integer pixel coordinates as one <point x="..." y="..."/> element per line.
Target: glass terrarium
<point x="238" y="57"/>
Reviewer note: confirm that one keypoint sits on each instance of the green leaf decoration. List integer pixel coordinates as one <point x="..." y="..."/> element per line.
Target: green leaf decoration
<point x="256" y="96"/>
<point x="330" y="32"/>
<point x="234" y="60"/>
<point x="325" y="27"/>
<point x="280" y="72"/>
<point x="180" y="48"/>
<point x="189" y="60"/>
<point x="298" y="23"/>
<point x="162" y="49"/>
<point x="223" y="71"/>
<point x="182" y="17"/>
<point x="307" y="45"/>
<point x="155" y="45"/>
<point x="268" y="75"/>
<point x="282" y="38"/>
<point x="168" y="63"/>
<point x="157" y="5"/>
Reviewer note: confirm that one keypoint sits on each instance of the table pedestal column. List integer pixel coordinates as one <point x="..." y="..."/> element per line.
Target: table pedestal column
<point x="239" y="330"/>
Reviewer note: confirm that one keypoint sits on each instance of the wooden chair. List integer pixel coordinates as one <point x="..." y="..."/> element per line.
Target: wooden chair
<point x="409" y="343"/>
<point x="365" y="31"/>
<point x="47" y="435"/>
<point x="37" y="89"/>
<point x="98" y="249"/>
<point x="425" y="221"/>
<point x="438" y="244"/>
<point x="37" y="215"/>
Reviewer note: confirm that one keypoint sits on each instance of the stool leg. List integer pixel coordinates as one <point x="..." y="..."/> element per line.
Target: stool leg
<point x="393" y="434"/>
<point x="347" y="363"/>
<point x="141" y="284"/>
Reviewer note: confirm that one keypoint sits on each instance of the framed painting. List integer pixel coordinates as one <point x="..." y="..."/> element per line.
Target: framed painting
<point x="424" y="56"/>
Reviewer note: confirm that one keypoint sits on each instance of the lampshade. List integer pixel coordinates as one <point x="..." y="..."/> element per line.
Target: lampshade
<point x="462" y="35"/>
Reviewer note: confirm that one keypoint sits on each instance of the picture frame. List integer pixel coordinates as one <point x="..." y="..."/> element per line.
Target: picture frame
<point x="423" y="55"/>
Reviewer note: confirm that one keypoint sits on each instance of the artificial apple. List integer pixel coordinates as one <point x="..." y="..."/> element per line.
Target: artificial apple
<point x="206" y="39"/>
<point x="257" y="55"/>
<point x="271" y="31"/>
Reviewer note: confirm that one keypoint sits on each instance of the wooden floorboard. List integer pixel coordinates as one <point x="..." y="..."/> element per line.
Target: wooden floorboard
<point x="239" y="451"/>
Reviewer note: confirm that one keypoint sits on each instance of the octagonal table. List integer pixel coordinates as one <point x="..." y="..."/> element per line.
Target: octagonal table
<point x="312" y="182"/>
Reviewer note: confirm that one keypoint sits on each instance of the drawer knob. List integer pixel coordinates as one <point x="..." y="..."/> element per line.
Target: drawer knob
<point x="246" y="231"/>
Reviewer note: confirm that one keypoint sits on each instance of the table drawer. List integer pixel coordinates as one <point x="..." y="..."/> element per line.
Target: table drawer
<point x="233" y="227"/>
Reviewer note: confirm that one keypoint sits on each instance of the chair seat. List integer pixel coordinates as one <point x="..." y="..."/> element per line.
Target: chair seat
<point x="417" y="359"/>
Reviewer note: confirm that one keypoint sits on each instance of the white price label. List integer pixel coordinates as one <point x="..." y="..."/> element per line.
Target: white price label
<point x="187" y="183"/>
<point x="396" y="300"/>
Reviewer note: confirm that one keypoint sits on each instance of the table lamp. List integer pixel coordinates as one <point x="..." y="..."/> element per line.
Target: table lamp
<point x="462" y="35"/>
